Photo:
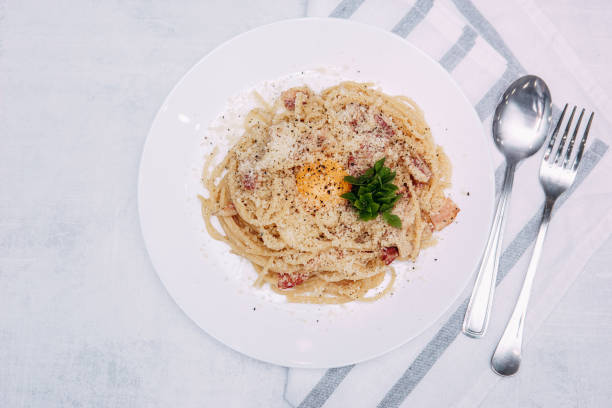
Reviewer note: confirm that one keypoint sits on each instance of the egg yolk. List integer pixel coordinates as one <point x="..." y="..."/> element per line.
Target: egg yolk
<point x="322" y="182"/>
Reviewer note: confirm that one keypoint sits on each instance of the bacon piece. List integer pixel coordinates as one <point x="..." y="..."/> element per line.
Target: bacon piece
<point x="387" y="129"/>
<point x="288" y="98"/>
<point x="356" y="115"/>
<point x="389" y="254"/>
<point x="363" y="159"/>
<point x="423" y="171"/>
<point x="289" y="280"/>
<point x="418" y="186"/>
<point x="445" y="215"/>
<point x="350" y="162"/>
<point x="249" y="181"/>
<point x="404" y="190"/>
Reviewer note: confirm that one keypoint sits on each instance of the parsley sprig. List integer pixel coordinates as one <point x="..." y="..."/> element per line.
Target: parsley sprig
<point x="372" y="193"/>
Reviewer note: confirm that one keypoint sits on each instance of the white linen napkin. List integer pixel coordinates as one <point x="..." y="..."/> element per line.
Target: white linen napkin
<point x="484" y="49"/>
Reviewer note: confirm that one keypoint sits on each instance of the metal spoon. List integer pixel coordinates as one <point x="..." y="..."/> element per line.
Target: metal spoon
<point x="520" y="125"/>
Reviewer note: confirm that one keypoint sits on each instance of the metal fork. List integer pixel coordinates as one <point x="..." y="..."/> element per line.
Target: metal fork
<point x="557" y="173"/>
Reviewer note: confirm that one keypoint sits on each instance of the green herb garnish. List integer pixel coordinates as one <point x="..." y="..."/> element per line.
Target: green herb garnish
<point x="372" y="193"/>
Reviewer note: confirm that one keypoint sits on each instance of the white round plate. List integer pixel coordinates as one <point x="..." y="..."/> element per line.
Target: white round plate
<point x="213" y="287"/>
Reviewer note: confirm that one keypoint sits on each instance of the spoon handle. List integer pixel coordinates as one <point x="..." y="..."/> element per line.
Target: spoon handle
<point x="477" y="314"/>
<point x="507" y="356"/>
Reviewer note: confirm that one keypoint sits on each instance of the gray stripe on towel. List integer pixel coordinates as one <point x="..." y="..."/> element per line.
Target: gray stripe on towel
<point x="346" y="8"/>
<point x="460" y="49"/>
<point x="487" y="31"/>
<point x="411" y="19"/>
<point x="325" y="387"/>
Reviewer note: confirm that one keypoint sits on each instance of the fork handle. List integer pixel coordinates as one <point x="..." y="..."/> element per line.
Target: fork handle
<point x="477" y="314"/>
<point x="507" y="356"/>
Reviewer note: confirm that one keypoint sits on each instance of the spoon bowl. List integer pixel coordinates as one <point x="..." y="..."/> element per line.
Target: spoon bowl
<point x="522" y="118"/>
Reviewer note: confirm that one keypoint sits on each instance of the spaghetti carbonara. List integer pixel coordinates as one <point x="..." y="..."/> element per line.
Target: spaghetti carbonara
<point x="276" y="194"/>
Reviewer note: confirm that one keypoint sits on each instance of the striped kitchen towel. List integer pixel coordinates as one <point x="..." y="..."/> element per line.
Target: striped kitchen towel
<point x="484" y="46"/>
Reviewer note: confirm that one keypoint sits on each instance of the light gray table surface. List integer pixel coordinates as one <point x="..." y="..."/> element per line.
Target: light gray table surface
<point x="84" y="320"/>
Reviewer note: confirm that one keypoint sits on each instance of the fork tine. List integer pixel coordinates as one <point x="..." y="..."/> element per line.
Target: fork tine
<point x="564" y="137"/>
<point x="582" y="143"/>
<point x="553" y="137"/>
<point x="570" y="145"/>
